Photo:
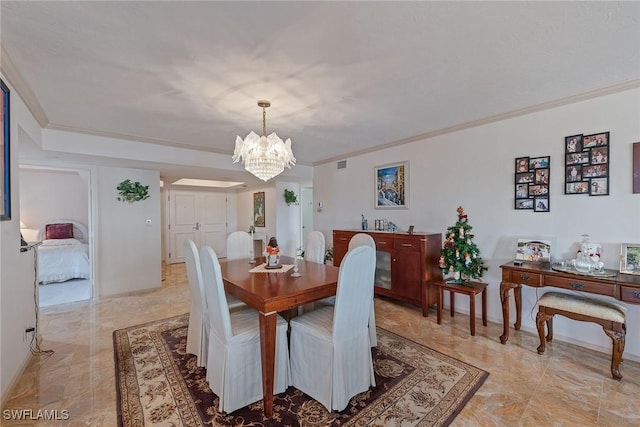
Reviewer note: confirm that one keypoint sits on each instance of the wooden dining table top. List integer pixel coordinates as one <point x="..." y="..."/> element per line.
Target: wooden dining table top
<point x="278" y="291"/>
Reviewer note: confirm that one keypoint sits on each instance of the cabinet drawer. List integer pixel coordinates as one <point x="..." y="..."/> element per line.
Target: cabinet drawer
<point x="383" y="243"/>
<point x="579" y="284"/>
<point x="629" y="294"/>
<point x="341" y="237"/>
<point x="523" y="278"/>
<point x="407" y="244"/>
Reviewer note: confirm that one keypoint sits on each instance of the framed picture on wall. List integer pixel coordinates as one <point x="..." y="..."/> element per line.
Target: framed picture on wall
<point x="587" y="164"/>
<point x="531" y="182"/>
<point x="258" y="209"/>
<point x="5" y="176"/>
<point x="392" y="186"/>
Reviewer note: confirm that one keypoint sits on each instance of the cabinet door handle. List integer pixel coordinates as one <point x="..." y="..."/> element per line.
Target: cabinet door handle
<point x="636" y="294"/>
<point x="407" y="245"/>
<point x="344" y="239"/>
<point x="394" y="260"/>
<point x="525" y="277"/>
<point x="381" y="243"/>
<point x="577" y="285"/>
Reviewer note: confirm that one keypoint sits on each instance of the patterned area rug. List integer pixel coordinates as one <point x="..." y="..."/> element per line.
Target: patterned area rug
<point x="159" y="384"/>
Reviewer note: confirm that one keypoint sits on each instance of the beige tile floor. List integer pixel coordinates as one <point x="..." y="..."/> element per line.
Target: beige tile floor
<point x="567" y="386"/>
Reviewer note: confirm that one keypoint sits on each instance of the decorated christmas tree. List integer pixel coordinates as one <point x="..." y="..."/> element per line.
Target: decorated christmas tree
<point x="460" y="257"/>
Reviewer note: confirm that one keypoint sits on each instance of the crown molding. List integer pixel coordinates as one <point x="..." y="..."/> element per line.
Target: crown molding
<point x="22" y="88"/>
<point x="620" y="87"/>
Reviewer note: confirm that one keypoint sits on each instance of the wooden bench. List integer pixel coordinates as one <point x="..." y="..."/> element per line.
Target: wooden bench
<point x="609" y="315"/>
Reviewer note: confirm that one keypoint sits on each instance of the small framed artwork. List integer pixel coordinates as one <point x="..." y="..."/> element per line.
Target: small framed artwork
<point x="258" y="209"/>
<point x="587" y="164"/>
<point x="541" y="204"/>
<point x="573" y="173"/>
<point x="5" y="176"/>
<point x="524" y="203"/>
<point x="573" y="144"/>
<point x="392" y="186"/>
<point x="531" y="183"/>
<point x="581" y="187"/>
<point x="534" y="250"/>
<point x="630" y="258"/>
<point x="599" y="187"/>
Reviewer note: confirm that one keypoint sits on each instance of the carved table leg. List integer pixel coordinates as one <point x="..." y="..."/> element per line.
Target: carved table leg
<point x="618" y="338"/>
<point x="517" y="294"/>
<point x="541" y="319"/>
<point x="505" y="287"/>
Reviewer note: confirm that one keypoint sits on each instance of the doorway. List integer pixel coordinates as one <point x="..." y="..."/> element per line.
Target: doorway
<point x="200" y="216"/>
<point x="48" y="195"/>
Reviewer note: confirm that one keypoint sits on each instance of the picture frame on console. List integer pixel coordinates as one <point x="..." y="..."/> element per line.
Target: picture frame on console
<point x="392" y="186"/>
<point x="630" y="258"/>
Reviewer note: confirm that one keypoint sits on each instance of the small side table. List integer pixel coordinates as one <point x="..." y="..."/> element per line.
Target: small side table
<point x="470" y="288"/>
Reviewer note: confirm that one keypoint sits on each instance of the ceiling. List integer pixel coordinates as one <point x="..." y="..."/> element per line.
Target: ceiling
<point x="342" y="77"/>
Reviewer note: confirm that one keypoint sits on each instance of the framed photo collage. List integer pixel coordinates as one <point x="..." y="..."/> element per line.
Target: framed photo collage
<point x="532" y="183"/>
<point x="587" y="164"/>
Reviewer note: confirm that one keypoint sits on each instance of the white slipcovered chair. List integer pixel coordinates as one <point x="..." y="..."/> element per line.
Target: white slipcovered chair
<point x="198" y="332"/>
<point x="314" y="247"/>
<point x="234" y="368"/>
<point x="239" y="245"/>
<point x="330" y="350"/>
<point x="363" y="239"/>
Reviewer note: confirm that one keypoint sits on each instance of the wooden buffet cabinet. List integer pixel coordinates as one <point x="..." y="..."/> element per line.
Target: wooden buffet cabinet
<point x="406" y="264"/>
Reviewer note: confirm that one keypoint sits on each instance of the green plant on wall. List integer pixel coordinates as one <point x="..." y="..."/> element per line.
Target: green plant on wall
<point x="290" y="197"/>
<point x="132" y="191"/>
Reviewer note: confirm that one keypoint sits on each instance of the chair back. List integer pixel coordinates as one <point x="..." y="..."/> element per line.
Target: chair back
<point x="314" y="247"/>
<point x="194" y="275"/>
<point x="362" y="239"/>
<point x="354" y="294"/>
<point x="239" y="245"/>
<point x="219" y="317"/>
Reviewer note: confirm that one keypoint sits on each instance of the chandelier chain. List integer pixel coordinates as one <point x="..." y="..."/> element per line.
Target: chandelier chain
<point x="264" y="121"/>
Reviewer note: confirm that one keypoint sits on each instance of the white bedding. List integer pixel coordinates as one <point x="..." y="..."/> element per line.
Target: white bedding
<point x="60" y="260"/>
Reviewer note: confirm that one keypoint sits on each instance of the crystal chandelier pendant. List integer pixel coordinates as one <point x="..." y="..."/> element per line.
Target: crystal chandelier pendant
<point x="264" y="156"/>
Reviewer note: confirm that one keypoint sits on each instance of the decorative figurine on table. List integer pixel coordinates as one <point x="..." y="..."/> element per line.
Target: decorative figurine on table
<point x="273" y="254"/>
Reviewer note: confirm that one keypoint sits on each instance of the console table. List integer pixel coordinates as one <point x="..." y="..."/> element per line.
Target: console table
<point x="623" y="287"/>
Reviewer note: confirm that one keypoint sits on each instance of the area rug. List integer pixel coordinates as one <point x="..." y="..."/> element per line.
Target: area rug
<point x="158" y="383"/>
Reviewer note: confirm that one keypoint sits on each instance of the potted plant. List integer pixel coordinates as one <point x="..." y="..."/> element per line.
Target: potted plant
<point x="290" y="197"/>
<point x="132" y="191"/>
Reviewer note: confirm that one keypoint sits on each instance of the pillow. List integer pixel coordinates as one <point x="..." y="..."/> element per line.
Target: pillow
<point x="61" y="242"/>
<point x="59" y="231"/>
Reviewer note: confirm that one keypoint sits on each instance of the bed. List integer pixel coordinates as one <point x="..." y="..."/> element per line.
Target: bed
<point x="64" y="253"/>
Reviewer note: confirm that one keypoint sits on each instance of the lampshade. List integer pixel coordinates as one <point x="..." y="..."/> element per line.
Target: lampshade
<point x="264" y="156"/>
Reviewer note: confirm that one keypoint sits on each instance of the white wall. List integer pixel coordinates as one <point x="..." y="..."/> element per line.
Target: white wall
<point x="47" y="195"/>
<point x="129" y="250"/>
<point x="474" y="168"/>
<point x="16" y="268"/>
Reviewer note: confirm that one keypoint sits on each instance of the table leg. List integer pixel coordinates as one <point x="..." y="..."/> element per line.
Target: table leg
<point x="268" y="355"/>
<point x="517" y="294"/>
<point x="472" y="314"/>
<point x="440" y="298"/>
<point x="484" y="307"/>
<point x="452" y="303"/>
<point x="505" y="287"/>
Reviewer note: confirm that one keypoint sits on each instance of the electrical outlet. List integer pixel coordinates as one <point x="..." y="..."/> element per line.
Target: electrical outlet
<point x="28" y="331"/>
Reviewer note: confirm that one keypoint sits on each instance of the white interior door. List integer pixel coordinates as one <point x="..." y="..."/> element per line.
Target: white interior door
<point x="198" y="216"/>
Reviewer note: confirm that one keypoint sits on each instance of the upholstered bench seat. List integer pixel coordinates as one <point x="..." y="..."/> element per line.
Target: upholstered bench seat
<point x="609" y="315"/>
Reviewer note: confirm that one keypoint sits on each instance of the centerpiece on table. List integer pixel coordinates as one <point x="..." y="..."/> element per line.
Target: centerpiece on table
<point x="460" y="257"/>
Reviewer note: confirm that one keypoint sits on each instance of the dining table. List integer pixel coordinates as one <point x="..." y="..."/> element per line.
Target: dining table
<point x="275" y="292"/>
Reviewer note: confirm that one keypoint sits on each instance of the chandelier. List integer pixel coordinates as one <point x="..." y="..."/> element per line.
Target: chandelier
<point x="264" y="156"/>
